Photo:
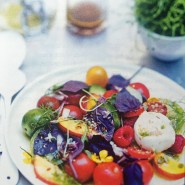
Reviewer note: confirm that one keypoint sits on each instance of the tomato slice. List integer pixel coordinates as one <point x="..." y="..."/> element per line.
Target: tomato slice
<point x="109" y="93"/>
<point x="134" y="113"/>
<point x="157" y="107"/>
<point x="140" y="153"/>
<point x="141" y="88"/>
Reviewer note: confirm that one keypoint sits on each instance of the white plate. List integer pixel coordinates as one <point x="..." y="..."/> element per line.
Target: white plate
<point x="159" y="86"/>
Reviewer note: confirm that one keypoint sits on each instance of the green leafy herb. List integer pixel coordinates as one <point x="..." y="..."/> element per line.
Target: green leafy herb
<point x="176" y="114"/>
<point x="165" y="17"/>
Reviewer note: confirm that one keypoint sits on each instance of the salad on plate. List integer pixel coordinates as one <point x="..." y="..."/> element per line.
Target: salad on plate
<point x="106" y="130"/>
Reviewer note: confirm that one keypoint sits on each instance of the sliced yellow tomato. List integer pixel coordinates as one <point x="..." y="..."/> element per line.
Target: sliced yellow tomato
<point x="168" y="167"/>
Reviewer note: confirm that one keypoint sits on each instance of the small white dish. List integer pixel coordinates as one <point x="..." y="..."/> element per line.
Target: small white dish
<point x="12" y="50"/>
<point x="165" y="48"/>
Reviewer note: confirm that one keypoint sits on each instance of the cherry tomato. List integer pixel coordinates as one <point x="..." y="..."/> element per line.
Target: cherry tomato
<point x="84" y="167"/>
<point x="109" y="93"/>
<point x="134" y="113"/>
<point x="147" y="171"/>
<point x="140" y="153"/>
<point x="74" y="98"/>
<point x="123" y="136"/>
<point x="108" y="173"/>
<point x="48" y="101"/>
<point x="75" y="112"/>
<point x="141" y="88"/>
<point x="97" y="75"/>
<point x="157" y="107"/>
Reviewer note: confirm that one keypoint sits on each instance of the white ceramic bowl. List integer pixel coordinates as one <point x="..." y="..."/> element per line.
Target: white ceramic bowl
<point x="163" y="47"/>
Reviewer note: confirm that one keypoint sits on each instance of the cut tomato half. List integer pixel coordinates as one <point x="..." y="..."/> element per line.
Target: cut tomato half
<point x="140" y="153"/>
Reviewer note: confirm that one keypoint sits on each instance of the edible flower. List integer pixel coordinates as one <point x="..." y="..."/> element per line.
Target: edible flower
<point x="103" y="157"/>
<point x="27" y="158"/>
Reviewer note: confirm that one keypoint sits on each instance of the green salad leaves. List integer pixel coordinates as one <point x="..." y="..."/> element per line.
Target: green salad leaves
<point x="165" y="17"/>
<point x="176" y="114"/>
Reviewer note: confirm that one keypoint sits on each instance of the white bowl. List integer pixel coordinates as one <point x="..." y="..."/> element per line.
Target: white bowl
<point x="165" y="48"/>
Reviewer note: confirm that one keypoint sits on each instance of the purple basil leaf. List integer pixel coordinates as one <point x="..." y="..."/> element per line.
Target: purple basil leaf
<point x="118" y="81"/>
<point x="101" y="120"/>
<point x="74" y="86"/>
<point x="133" y="175"/>
<point x="126" y="102"/>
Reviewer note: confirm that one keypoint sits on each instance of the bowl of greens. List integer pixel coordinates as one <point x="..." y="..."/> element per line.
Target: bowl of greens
<point x="162" y="27"/>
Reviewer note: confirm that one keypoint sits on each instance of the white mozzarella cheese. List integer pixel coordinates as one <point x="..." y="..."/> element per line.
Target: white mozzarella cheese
<point x="153" y="131"/>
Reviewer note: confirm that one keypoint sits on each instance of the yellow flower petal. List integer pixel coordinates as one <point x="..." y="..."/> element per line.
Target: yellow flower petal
<point x="103" y="154"/>
<point x="27" y="158"/>
<point x="109" y="159"/>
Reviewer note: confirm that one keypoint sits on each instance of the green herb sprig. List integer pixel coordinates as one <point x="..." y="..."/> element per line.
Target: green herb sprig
<point x="165" y="17"/>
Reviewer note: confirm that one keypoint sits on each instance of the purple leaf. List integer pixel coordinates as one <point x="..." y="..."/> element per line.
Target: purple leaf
<point x="74" y="86"/>
<point x="101" y="120"/>
<point x="118" y="81"/>
<point x="126" y="102"/>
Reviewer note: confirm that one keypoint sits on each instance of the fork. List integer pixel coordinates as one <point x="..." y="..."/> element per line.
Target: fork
<point x="9" y="174"/>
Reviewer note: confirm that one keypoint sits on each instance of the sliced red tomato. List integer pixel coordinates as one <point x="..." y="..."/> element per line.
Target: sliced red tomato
<point x="134" y="113"/>
<point x="141" y="88"/>
<point x="48" y="101"/>
<point x="108" y="173"/>
<point x="124" y="136"/>
<point x="147" y="170"/>
<point x="109" y="93"/>
<point x="140" y="153"/>
<point x="74" y="111"/>
<point x="157" y="107"/>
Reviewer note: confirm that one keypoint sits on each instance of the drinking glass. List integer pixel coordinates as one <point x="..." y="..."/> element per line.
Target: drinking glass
<point x="86" y="17"/>
<point x="29" y="17"/>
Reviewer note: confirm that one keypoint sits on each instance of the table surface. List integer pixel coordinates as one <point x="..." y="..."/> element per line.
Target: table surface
<point x="119" y="42"/>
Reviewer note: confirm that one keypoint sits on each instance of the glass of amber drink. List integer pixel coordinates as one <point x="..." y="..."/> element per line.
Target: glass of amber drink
<point x="86" y="17"/>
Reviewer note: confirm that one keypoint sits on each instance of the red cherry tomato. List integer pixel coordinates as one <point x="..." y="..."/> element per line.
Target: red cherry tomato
<point x="75" y="112"/>
<point x="139" y="153"/>
<point x="109" y="93"/>
<point x="134" y="113"/>
<point x="147" y="170"/>
<point x="84" y="167"/>
<point x="157" y="107"/>
<point x="74" y="98"/>
<point x="108" y="173"/>
<point x="48" y="101"/>
<point x="123" y="136"/>
<point x="141" y="88"/>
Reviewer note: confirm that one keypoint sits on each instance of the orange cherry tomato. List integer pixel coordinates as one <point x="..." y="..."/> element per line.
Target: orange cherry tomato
<point x="97" y="75"/>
